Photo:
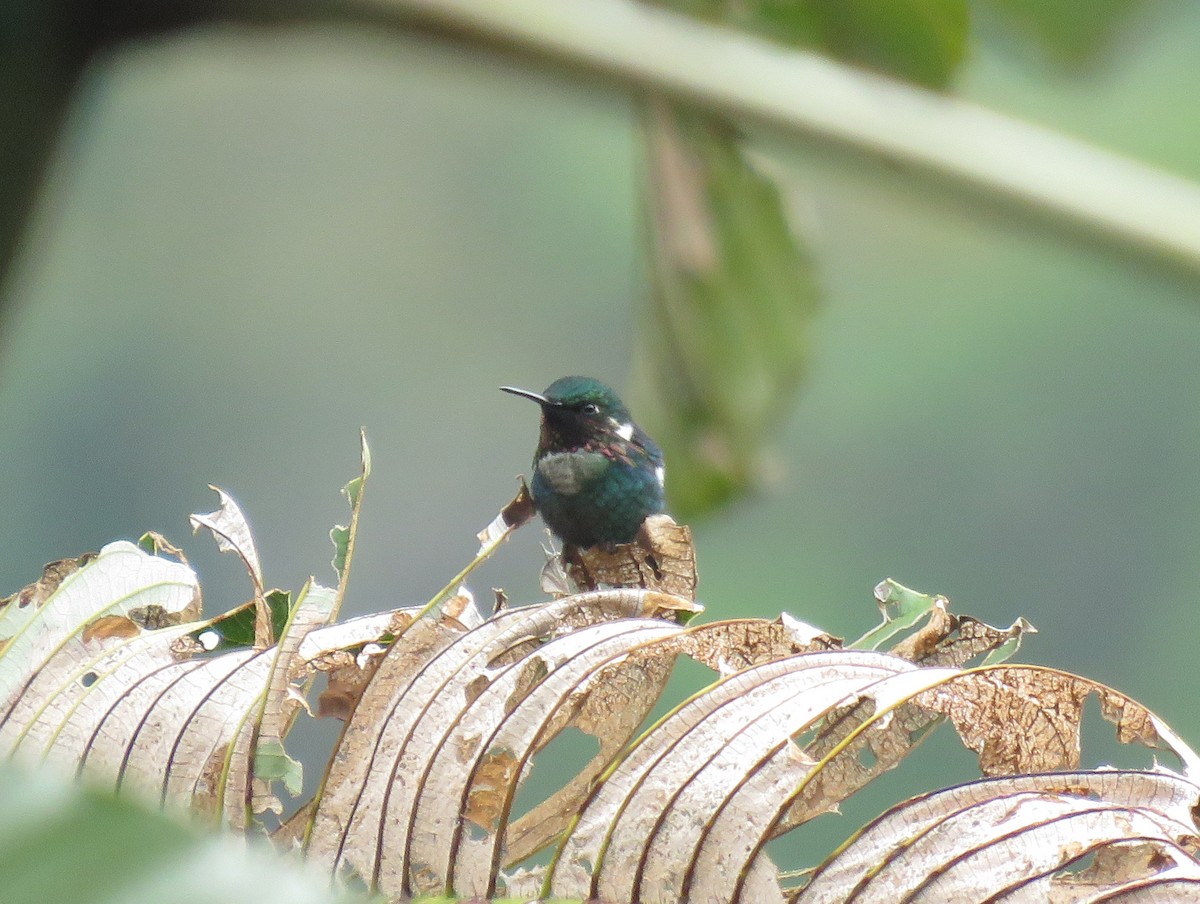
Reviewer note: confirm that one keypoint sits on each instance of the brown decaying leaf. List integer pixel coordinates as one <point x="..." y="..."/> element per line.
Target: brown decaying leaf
<point x="662" y="558"/>
<point x="947" y="639"/>
<point x="516" y="513"/>
<point x="1027" y="719"/>
<point x="345" y="683"/>
<point x="735" y="644"/>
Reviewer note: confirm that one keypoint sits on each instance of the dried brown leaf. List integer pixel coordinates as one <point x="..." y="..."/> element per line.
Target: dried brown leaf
<point x="515" y="514"/>
<point x="490" y="784"/>
<point x="947" y="639"/>
<point x="681" y="815"/>
<point x="1018" y="839"/>
<point x="1027" y="719"/>
<point x="735" y="644"/>
<point x="662" y="558"/>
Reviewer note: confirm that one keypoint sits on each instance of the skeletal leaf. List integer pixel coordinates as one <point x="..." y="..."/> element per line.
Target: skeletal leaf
<point x="376" y="797"/>
<point x="728" y="743"/>
<point x="1022" y="836"/>
<point x="47" y="620"/>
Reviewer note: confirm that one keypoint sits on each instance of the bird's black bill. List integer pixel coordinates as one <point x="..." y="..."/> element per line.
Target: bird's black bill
<point x="525" y="393"/>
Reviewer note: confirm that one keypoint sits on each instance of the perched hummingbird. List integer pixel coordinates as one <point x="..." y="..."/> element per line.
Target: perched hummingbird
<point x="596" y="475"/>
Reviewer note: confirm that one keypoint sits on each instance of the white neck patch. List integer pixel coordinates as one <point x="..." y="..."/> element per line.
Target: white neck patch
<point x="625" y="431"/>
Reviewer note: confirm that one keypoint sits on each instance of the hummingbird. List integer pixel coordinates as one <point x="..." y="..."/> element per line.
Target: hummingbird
<point x="596" y="474"/>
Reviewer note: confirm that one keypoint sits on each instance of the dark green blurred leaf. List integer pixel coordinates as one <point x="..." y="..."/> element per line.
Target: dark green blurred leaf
<point x="920" y="40"/>
<point x="1072" y="31"/>
<point x="64" y="842"/>
<point x="734" y="293"/>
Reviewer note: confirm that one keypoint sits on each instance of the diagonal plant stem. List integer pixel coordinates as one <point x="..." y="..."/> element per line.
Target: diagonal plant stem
<point x="747" y="77"/>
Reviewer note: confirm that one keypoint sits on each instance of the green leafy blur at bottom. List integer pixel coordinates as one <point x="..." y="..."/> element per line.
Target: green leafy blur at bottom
<point x="60" y="841"/>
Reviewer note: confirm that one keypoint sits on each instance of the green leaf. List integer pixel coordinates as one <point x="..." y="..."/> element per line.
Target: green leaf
<point x="1074" y="32"/>
<point x="236" y="627"/>
<point x="920" y="40"/>
<point x="901" y="607"/>
<point x="734" y="294"/>
<point x="66" y="842"/>
<point x="272" y="762"/>
<point x="343" y="535"/>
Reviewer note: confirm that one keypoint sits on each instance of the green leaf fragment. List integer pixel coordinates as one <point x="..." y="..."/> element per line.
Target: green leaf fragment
<point x="272" y="763"/>
<point x="236" y="627"/>
<point x="342" y="535"/>
<point x="901" y="608"/>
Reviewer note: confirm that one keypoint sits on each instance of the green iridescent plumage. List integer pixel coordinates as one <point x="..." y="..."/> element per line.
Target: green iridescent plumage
<point x="596" y="474"/>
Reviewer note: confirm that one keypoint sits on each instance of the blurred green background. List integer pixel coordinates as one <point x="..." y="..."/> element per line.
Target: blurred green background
<point x="253" y="241"/>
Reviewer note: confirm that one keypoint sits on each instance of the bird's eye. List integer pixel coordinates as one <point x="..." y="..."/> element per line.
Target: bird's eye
<point x="590" y="408"/>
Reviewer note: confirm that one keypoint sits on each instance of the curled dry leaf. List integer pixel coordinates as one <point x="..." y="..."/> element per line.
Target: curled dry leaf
<point x="1028" y="837"/>
<point x="427" y="740"/>
<point x="672" y="820"/>
<point x="949" y="639"/>
<point x="230" y="529"/>
<point x="516" y="513"/>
